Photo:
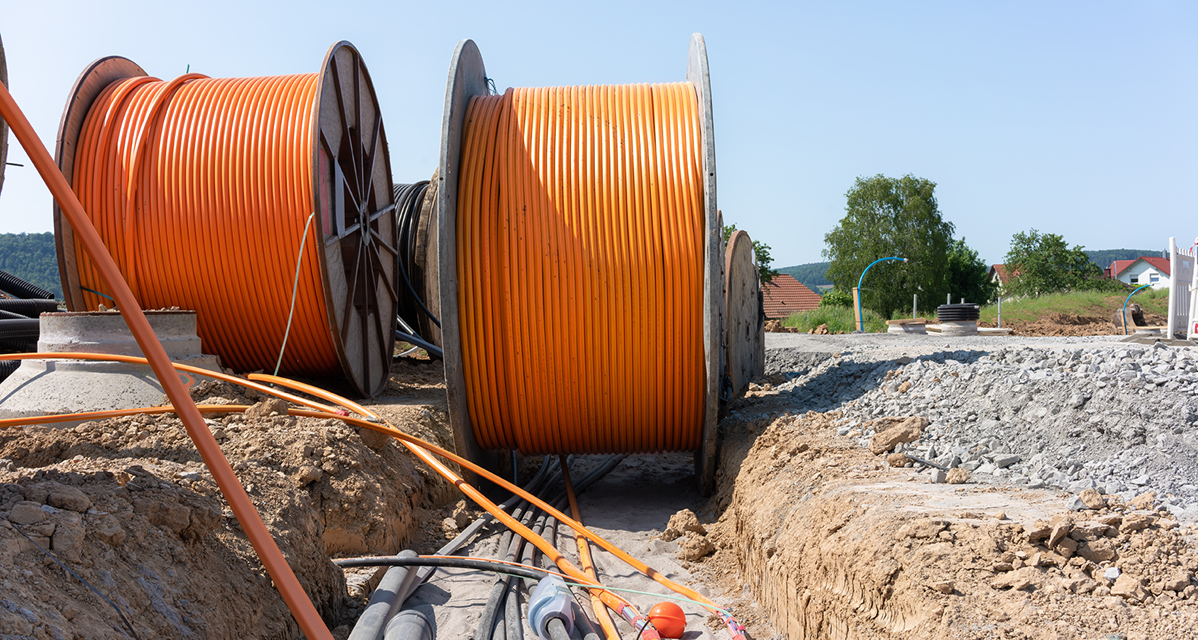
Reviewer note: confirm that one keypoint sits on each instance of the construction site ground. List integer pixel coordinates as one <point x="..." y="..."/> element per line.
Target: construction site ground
<point x="809" y="535"/>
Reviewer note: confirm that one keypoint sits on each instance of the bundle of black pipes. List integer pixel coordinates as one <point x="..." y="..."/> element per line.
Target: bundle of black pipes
<point x="19" y="324"/>
<point x="501" y="620"/>
<point x="417" y="306"/>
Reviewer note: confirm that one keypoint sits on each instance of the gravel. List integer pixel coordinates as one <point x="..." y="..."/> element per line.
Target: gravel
<point x="1062" y="413"/>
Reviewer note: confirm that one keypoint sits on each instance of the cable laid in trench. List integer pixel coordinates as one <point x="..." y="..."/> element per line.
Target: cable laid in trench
<point x="426" y="451"/>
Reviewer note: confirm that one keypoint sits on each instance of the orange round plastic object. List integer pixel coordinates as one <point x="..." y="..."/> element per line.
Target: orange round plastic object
<point x="668" y="618"/>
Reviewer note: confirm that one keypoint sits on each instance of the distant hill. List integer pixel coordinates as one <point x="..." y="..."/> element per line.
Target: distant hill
<point x="811" y="274"/>
<point x="31" y="257"/>
<point x="1104" y="257"/>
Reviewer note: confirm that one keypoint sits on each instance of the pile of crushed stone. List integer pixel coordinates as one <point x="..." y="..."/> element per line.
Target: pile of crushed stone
<point x="1117" y="418"/>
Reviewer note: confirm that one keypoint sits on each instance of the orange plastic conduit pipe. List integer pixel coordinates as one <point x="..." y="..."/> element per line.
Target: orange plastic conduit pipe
<point x="285" y="581"/>
<point x="580" y="269"/>
<point x="584" y="557"/>
<point x="167" y="172"/>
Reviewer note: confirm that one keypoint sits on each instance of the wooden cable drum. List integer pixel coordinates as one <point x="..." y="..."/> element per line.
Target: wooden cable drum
<point x="206" y="190"/>
<point x="745" y="316"/>
<point x="581" y="266"/>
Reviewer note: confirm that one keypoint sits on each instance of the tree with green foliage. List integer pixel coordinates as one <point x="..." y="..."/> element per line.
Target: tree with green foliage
<point x="891" y="217"/>
<point x="968" y="275"/>
<point x="761" y="253"/>
<point x="31" y="257"/>
<point x="1041" y="263"/>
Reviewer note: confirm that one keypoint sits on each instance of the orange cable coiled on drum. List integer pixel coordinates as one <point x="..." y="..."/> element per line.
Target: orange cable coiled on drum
<point x="201" y="188"/>
<point x="580" y="262"/>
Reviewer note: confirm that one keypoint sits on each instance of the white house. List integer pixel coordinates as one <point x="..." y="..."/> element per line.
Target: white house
<point x="1152" y="270"/>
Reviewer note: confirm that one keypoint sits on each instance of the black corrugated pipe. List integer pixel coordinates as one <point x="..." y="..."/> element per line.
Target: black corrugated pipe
<point x="24" y="329"/>
<point x="7" y="367"/>
<point x="29" y="308"/>
<point x="19" y="288"/>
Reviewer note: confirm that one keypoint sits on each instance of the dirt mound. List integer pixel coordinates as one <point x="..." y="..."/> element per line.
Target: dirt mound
<point x="143" y="522"/>
<point x="833" y="543"/>
<point x="1071" y="324"/>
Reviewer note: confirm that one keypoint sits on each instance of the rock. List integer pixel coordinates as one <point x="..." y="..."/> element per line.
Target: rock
<point x="898" y="460"/>
<point x="821" y="330"/>
<point x="1067" y="547"/>
<point x="1019" y="579"/>
<point x="1097" y="551"/>
<point x="1092" y="499"/>
<point x="937" y="476"/>
<point x="308" y="474"/>
<point x="685" y="521"/>
<point x="924" y="528"/>
<point x="908" y="430"/>
<point x="161" y="513"/>
<point x="904" y="387"/>
<point x="67" y="541"/>
<point x="1061" y="526"/>
<point x="26" y="512"/>
<point x="693" y="547"/>
<point x="265" y="408"/>
<point x="1134" y="522"/>
<point x="59" y="496"/>
<point x="1112" y="574"/>
<point x="373" y="439"/>
<point x="1075" y="504"/>
<point x="957" y="475"/>
<point x="1128" y="587"/>
<point x="461" y="514"/>
<point x="942" y="586"/>
<point x="1144" y="501"/>
<point x="1177" y="581"/>
<point x="108" y="529"/>
<point x="1038" y="530"/>
<point x="1002" y="461"/>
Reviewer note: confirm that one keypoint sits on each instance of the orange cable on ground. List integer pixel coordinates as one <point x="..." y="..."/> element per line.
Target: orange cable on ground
<point x="580" y="269"/>
<point x="197" y="183"/>
<point x="289" y="587"/>
<point x="584" y="558"/>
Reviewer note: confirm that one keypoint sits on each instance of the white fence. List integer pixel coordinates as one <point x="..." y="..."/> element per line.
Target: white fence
<point x="1183" y="304"/>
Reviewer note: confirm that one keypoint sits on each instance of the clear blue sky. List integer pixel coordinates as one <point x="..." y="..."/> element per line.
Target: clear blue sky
<point x="1077" y="118"/>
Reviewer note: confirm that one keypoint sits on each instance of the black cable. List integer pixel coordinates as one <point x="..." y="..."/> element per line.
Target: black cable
<point x="23" y="329"/>
<point x="80" y="579"/>
<point x="408" y="210"/>
<point x="432" y="349"/>
<point x="477" y="564"/>
<point x="29" y="308"/>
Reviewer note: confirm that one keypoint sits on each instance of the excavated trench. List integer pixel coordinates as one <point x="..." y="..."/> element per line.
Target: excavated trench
<point x="810" y="535"/>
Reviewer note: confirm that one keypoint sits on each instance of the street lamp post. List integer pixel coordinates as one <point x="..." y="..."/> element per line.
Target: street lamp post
<point x="860" y="316"/>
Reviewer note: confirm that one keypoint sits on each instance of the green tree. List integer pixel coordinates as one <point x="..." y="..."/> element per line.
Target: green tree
<point x="761" y="252"/>
<point x="891" y="217"/>
<point x="1041" y="263"/>
<point x="968" y="275"/>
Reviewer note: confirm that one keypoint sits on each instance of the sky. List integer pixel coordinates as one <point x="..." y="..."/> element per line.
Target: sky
<point x="1074" y="118"/>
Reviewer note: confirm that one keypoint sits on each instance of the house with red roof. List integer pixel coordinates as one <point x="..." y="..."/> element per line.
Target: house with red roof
<point x="1153" y="270"/>
<point x="784" y="295"/>
<point x="999" y="274"/>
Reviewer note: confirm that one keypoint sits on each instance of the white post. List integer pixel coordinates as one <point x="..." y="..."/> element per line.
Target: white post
<point x="1173" y="292"/>
<point x="914" y="306"/>
<point x="948" y="299"/>
<point x="999" y="312"/>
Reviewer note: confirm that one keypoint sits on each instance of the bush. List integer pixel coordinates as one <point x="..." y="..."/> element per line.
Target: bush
<point x="838" y="319"/>
<point x="837" y="298"/>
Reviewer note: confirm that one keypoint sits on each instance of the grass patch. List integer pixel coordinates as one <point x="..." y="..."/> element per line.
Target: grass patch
<point x="838" y="319"/>
<point x="1082" y="303"/>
